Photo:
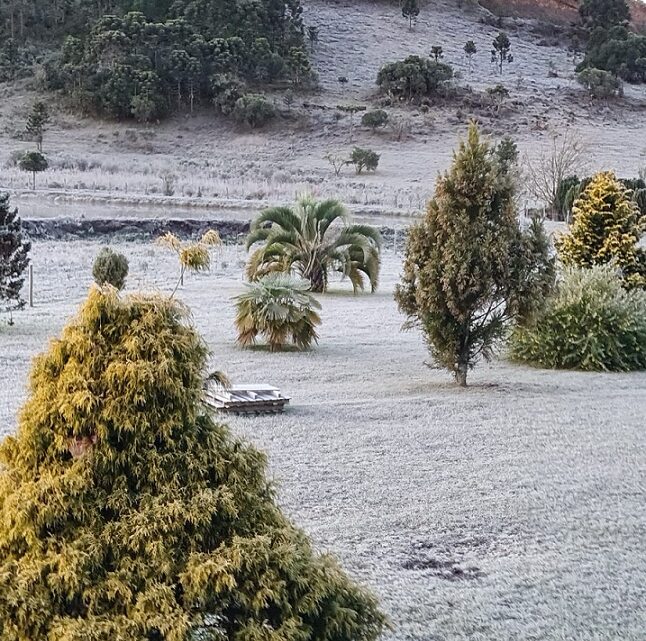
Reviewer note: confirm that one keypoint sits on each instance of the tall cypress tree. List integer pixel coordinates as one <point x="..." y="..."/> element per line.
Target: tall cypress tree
<point x="14" y="255"/>
<point x="128" y="514"/>
<point x="469" y="269"/>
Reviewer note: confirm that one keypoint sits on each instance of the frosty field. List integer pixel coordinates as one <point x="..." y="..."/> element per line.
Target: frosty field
<point x="515" y="509"/>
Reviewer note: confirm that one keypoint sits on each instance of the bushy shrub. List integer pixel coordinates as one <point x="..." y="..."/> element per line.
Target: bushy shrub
<point x="253" y="110"/>
<point x="618" y="52"/>
<point x="227" y="89"/>
<point x="591" y="323"/>
<point x="364" y="159"/>
<point x="127" y="513"/>
<point x="375" y="119"/>
<point x="600" y="83"/>
<point x="280" y="308"/>
<point x="607" y="227"/>
<point x="110" y="268"/>
<point x="414" y="78"/>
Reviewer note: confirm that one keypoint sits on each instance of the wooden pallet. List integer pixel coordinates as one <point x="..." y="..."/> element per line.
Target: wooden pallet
<point x="245" y="399"/>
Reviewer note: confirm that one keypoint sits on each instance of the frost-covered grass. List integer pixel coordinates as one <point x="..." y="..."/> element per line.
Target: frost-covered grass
<point x="513" y="510"/>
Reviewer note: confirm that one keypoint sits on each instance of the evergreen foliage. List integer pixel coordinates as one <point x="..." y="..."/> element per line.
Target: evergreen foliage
<point x="410" y="11"/>
<point x="312" y="240"/>
<point x="500" y="53"/>
<point x="110" y="268"/>
<point x="375" y="119"/>
<point x="591" y="323"/>
<point x="143" y="60"/>
<point x="14" y="255"/>
<point x="469" y="270"/>
<point x="253" y="110"/>
<point x="279" y="307"/>
<point x="599" y="83"/>
<point x="128" y="514"/>
<point x="607" y="228"/>
<point x="470" y="50"/>
<point x="364" y="159"/>
<point x="33" y="162"/>
<point x="604" y="13"/>
<point x="37" y="122"/>
<point x="414" y="78"/>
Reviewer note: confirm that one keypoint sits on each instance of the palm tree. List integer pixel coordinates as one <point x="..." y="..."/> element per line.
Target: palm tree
<point x="279" y="307"/>
<point x="305" y="239"/>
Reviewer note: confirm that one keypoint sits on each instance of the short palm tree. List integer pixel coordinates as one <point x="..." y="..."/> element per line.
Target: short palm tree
<point x="312" y="239"/>
<point x="279" y="307"/>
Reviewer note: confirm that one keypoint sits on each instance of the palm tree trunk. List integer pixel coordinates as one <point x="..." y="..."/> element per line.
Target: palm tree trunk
<point x="318" y="279"/>
<point x="461" y="374"/>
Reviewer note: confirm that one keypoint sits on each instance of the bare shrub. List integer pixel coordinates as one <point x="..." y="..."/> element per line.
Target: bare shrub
<point x="566" y="156"/>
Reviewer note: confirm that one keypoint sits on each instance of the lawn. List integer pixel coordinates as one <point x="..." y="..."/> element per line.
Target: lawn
<point x="515" y="509"/>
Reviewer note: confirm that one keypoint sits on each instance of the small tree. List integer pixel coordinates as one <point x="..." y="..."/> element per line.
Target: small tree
<point x="281" y="308"/>
<point x="414" y="77"/>
<point x="498" y="95"/>
<point x="500" y="54"/>
<point x="313" y="36"/>
<point x="194" y="257"/>
<point x="14" y="255"/>
<point x="338" y="162"/>
<point x="364" y="159"/>
<point x="469" y="270"/>
<point x="34" y="162"/>
<point x="37" y="122"/>
<point x="607" y="228"/>
<point x="410" y="11"/>
<point x="110" y="268"/>
<point x="470" y="50"/>
<point x="352" y="110"/>
<point x="299" y="66"/>
<point x="506" y="154"/>
<point x="437" y="53"/>
<point x="375" y="119"/>
<point x="128" y="513"/>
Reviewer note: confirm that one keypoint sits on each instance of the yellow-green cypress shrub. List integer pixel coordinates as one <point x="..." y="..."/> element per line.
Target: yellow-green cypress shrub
<point x="607" y="227"/>
<point x="128" y="514"/>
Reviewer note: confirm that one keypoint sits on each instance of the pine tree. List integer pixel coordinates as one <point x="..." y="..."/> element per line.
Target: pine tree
<point x="469" y="271"/>
<point x="14" y="255"/>
<point x="501" y="50"/>
<point x="128" y="514"/>
<point x="607" y="227"/>
<point x="37" y="122"/>
<point x="410" y="10"/>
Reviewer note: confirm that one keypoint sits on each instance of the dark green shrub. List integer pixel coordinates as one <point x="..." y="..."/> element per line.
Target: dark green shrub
<point x="33" y="162"/>
<point x="110" y="268"/>
<point x="414" y="78"/>
<point x="364" y="159"/>
<point x="591" y="323"/>
<point x="227" y="89"/>
<point x="253" y="110"/>
<point x="375" y="119"/>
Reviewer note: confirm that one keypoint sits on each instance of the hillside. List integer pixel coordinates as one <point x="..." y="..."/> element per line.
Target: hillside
<point x="204" y="162"/>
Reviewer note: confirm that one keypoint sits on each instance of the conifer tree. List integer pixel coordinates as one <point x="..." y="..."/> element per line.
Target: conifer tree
<point x="128" y="514"/>
<point x="410" y="10"/>
<point x="500" y="54"/>
<point x="607" y="227"/>
<point x="469" y="270"/>
<point x="14" y="255"/>
<point x="37" y="122"/>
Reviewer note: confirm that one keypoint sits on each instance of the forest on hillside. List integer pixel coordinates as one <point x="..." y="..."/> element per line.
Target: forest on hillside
<point x="146" y="58"/>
